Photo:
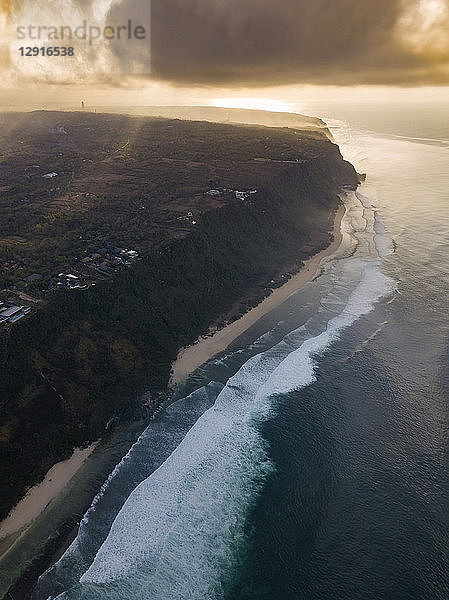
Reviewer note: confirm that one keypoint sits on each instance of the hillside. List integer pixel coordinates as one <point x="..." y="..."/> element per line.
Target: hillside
<point x="212" y="213"/>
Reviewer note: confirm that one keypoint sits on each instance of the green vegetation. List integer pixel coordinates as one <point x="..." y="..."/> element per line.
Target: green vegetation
<point x="87" y="355"/>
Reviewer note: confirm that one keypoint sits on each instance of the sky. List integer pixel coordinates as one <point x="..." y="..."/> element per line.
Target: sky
<point x="343" y="42"/>
<point x="196" y="49"/>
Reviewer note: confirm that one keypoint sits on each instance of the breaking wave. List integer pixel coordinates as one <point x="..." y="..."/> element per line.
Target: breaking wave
<point x="180" y="532"/>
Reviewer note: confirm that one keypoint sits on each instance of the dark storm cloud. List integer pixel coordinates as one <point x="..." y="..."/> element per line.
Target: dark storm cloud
<point x="285" y="41"/>
<point x="264" y="42"/>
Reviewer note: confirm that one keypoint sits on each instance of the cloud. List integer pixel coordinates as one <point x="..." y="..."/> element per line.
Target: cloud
<point x="252" y="42"/>
<point x="102" y="50"/>
<point x="301" y="41"/>
<point x="5" y="12"/>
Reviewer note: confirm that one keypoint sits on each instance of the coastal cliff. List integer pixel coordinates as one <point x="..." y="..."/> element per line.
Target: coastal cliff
<point x="84" y="359"/>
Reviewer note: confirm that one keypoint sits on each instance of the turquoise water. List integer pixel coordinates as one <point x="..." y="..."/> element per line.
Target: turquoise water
<point x="310" y="461"/>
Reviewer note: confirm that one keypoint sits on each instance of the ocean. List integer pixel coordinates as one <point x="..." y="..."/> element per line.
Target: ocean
<point x="310" y="461"/>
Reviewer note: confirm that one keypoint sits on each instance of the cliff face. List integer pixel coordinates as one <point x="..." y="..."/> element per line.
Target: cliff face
<point x="85" y="357"/>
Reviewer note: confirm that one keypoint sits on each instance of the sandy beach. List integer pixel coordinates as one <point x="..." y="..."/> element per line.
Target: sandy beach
<point x="205" y="348"/>
<point x="39" y="497"/>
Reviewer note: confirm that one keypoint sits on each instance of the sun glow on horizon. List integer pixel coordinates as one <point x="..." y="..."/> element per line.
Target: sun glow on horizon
<point x="268" y="104"/>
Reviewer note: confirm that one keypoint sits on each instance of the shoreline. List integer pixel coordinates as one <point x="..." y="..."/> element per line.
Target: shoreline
<point x="38" y="498"/>
<point x="21" y="518"/>
<point x="205" y="348"/>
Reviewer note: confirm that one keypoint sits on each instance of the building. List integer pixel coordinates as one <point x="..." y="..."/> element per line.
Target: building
<point x="16" y="317"/>
<point x="244" y="195"/>
<point x="13" y="313"/>
<point x="7" y="313"/>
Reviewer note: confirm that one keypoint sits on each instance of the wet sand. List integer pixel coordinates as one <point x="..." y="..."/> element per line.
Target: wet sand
<point x="205" y="348"/>
<point x="39" y="497"/>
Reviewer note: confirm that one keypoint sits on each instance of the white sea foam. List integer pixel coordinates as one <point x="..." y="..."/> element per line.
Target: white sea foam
<point x="382" y="240"/>
<point x="189" y="511"/>
<point x="192" y="509"/>
<point x="298" y="368"/>
<point x="151" y="448"/>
